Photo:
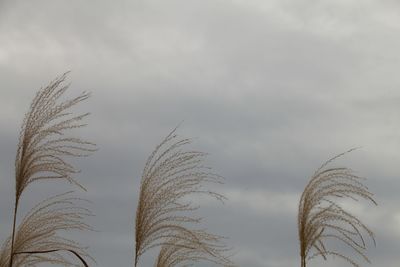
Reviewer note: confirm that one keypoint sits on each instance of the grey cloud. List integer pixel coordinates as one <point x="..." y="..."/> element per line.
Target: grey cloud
<point x="271" y="89"/>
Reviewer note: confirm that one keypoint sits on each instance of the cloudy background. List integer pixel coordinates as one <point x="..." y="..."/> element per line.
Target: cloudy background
<point x="270" y="88"/>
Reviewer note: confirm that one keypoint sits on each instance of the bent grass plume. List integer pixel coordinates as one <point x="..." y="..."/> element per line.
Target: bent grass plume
<point x="43" y="146"/>
<point x="187" y="248"/>
<point x="320" y="218"/>
<point x="170" y="175"/>
<point x="37" y="238"/>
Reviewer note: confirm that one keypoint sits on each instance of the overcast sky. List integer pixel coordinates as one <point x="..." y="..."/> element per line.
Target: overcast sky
<point x="270" y="88"/>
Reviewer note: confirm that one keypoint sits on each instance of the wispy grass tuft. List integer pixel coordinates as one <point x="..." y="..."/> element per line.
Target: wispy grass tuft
<point x="43" y="146"/>
<point x="189" y="247"/>
<point x="170" y="175"/>
<point x="42" y="154"/>
<point x="37" y="238"/>
<point x="320" y="218"/>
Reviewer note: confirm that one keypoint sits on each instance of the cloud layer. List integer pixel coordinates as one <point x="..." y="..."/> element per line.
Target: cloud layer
<point x="271" y="89"/>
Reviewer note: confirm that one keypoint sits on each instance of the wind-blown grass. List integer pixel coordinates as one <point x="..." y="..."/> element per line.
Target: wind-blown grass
<point x="187" y="248"/>
<point x="320" y="218"/>
<point x="44" y="147"/>
<point x="37" y="238"/>
<point x="170" y="175"/>
<point x="42" y="143"/>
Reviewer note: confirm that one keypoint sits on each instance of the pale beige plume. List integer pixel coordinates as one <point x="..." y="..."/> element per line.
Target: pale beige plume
<point x="171" y="175"/>
<point x="37" y="238"/>
<point x="321" y="219"/>
<point x="42" y="154"/>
